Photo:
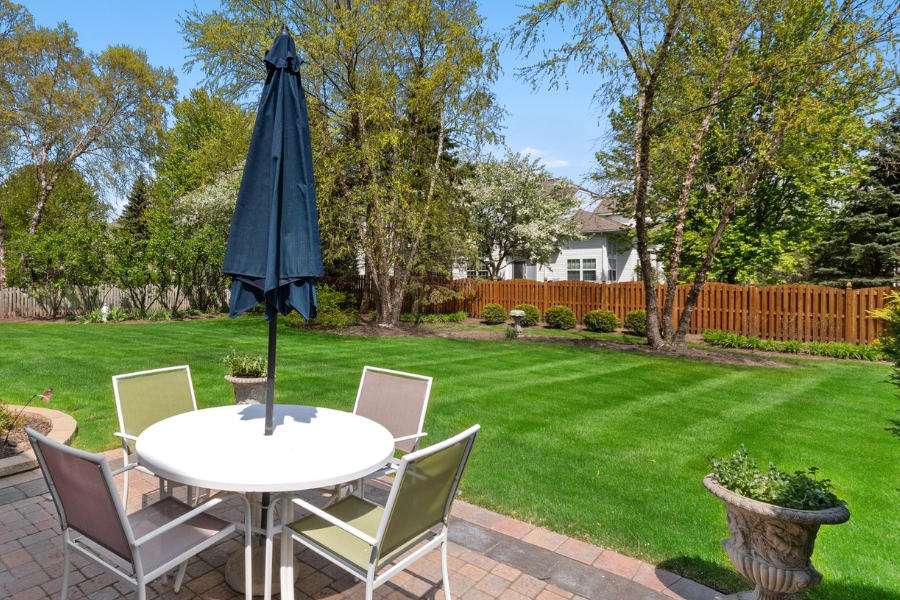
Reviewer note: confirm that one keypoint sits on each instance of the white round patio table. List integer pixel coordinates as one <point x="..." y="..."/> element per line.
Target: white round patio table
<point x="224" y="448"/>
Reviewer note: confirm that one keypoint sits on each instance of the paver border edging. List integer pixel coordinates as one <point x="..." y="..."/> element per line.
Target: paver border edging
<point x="62" y="429"/>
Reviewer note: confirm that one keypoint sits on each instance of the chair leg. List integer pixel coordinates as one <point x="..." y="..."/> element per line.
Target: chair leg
<point x="66" y="566"/>
<point x="287" y="566"/>
<point x="180" y="576"/>
<point x="445" y="572"/>
<point x="125" y="482"/>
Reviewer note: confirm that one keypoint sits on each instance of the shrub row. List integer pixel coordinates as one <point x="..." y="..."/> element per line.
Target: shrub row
<point x="832" y="349"/>
<point x="117" y="314"/>
<point x="562" y="317"/>
<point x="434" y="318"/>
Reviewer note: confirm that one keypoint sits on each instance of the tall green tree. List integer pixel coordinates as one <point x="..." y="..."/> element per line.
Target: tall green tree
<point x="100" y="114"/>
<point x="73" y="207"/>
<point x="517" y="211"/>
<point x="134" y="214"/>
<point x="862" y="242"/>
<point x="208" y="139"/>
<point x="763" y="86"/>
<point x="389" y="85"/>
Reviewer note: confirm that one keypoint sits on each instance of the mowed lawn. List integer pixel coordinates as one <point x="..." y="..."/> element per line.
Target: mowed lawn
<point x="606" y="446"/>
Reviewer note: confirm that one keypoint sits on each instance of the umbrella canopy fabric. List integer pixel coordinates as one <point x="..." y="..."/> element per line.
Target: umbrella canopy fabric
<point x="273" y="253"/>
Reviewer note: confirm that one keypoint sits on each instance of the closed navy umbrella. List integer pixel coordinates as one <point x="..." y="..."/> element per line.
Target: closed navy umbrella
<point x="273" y="254"/>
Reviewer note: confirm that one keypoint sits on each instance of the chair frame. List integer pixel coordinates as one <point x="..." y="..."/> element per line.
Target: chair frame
<point x="393" y="463"/>
<point x="362" y="381"/>
<point x="370" y="576"/>
<point x="163" y="488"/>
<point x="73" y="540"/>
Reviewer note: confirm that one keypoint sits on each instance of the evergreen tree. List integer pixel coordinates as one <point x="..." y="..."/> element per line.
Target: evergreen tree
<point x="134" y="215"/>
<point x="862" y="244"/>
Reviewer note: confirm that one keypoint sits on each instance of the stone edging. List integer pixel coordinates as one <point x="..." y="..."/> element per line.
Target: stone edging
<point x="63" y="428"/>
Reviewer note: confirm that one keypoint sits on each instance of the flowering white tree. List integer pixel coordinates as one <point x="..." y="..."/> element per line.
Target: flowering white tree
<point x="518" y="211"/>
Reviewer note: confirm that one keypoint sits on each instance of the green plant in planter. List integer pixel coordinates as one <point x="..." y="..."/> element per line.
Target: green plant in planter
<point x="244" y="364"/>
<point x="493" y="314"/>
<point x="532" y="314"/>
<point x="800" y="490"/>
<point x="601" y="320"/>
<point x="560" y="317"/>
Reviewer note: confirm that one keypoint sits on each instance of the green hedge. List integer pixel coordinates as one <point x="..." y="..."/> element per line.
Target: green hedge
<point x="560" y="317"/>
<point x="493" y="314"/>
<point x="601" y="320"/>
<point x="636" y="322"/>
<point x="532" y="314"/>
<point x="724" y="339"/>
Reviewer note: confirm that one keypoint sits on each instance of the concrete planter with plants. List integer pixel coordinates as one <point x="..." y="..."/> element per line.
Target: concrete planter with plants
<point x="247" y="374"/>
<point x="771" y="544"/>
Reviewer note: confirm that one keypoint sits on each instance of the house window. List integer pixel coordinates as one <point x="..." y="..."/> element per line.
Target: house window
<point x="589" y="269"/>
<point x="479" y="271"/>
<point x="612" y="273"/>
<point x="581" y="269"/>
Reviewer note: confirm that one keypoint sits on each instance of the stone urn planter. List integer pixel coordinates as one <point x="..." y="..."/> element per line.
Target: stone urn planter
<point x="248" y="390"/>
<point x="771" y="545"/>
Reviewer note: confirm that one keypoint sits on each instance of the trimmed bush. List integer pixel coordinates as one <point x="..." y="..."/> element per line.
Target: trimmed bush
<point x="493" y="314"/>
<point x="636" y="322"/>
<point x="832" y="349"/>
<point x="334" y="310"/>
<point x="560" y="317"/>
<point x="601" y="320"/>
<point x="532" y="314"/>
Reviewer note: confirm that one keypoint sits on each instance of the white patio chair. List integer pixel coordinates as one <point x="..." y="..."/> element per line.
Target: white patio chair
<point x="142" y="399"/>
<point x="397" y="400"/>
<point x="371" y="542"/>
<point x="138" y="547"/>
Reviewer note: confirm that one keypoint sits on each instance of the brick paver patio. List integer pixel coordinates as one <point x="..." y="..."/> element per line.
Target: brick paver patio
<point x="492" y="557"/>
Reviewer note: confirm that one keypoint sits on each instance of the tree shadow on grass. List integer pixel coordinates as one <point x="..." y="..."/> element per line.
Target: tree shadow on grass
<point x="728" y="581"/>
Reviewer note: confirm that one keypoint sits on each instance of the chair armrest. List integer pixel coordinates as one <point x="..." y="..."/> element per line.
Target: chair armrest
<point x="335" y="521"/>
<point x="176" y="522"/>
<point x="414" y="436"/>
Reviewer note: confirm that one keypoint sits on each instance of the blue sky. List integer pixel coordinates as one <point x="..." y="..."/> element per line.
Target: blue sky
<point x="561" y="127"/>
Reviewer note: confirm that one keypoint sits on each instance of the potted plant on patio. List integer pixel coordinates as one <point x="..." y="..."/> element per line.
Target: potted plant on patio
<point x="247" y="373"/>
<point x="773" y="518"/>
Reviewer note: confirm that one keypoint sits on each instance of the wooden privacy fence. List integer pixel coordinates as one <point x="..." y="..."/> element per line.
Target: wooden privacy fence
<point x="781" y="312"/>
<point x="17" y="303"/>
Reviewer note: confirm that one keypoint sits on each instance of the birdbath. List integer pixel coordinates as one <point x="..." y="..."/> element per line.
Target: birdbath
<point x="517" y="321"/>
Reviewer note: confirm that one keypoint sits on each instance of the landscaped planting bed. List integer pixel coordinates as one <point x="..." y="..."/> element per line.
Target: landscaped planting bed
<point x="603" y="445"/>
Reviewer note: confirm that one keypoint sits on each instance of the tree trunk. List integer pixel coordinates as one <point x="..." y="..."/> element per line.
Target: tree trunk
<point x="46" y="190"/>
<point x="687" y="185"/>
<point x="641" y="181"/>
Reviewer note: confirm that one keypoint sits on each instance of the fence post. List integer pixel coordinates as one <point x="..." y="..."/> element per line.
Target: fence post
<point x="849" y="314"/>
<point x="755" y="315"/>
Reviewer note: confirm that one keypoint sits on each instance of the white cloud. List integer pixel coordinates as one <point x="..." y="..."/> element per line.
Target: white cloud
<point x="550" y="163"/>
<point x="556" y="163"/>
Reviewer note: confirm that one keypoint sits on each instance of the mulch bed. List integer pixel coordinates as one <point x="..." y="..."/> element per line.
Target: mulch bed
<point x="38" y="423"/>
<point x="426" y="330"/>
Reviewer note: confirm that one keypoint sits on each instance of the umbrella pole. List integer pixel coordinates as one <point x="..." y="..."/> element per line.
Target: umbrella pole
<point x="270" y="400"/>
<point x="270" y="374"/>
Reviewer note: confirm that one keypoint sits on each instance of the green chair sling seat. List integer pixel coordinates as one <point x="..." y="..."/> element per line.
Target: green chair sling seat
<point x="142" y="399"/>
<point x="138" y="547"/>
<point x="372" y="542"/>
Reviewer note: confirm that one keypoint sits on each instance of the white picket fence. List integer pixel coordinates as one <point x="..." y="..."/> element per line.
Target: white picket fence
<point x="17" y="303"/>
